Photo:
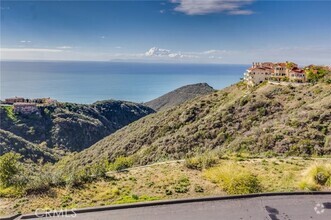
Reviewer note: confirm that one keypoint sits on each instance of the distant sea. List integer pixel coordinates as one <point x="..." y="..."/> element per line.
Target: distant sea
<point x="87" y="82"/>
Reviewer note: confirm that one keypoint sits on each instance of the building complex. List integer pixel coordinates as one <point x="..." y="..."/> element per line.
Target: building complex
<point x="288" y="72"/>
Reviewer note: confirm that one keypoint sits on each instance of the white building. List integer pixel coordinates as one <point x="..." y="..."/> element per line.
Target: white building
<point x="297" y="75"/>
<point x="258" y="73"/>
<point x="287" y="71"/>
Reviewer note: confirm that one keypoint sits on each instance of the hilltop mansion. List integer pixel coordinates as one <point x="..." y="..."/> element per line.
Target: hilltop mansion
<point x="288" y="71"/>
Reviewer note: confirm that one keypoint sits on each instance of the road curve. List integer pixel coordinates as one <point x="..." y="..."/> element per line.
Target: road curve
<point x="294" y="207"/>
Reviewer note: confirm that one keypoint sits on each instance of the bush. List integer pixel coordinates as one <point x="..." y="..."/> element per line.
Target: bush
<point x="168" y="192"/>
<point x="9" y="169"/>
<point x="315" y="73"/>
<point x="42" y="178"/>
<point x="9" y="192"/>
<point x="182" y="185"/>
<point x="121" y="163"/>
<point x="316" y="176"/>
<point x="203" y="161"/>
<point x="37" y="184"/>
<point x="234" y="179"/>
<point x="198" y="189"/>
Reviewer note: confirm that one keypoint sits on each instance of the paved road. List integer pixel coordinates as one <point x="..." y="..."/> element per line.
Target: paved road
<point x="265" y="208"/>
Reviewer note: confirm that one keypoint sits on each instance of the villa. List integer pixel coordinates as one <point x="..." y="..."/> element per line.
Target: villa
<point x="28" y="106"/>
<point x="279" y="72"/>
<point x="14" y="100"/>
<point x="258" y="73"/>
<point x="25" y="108"/>
<point x="39" y="101"/>
<point x="297" y="75"/>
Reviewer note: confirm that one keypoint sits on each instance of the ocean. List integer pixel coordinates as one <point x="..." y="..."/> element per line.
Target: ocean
<point x="87" y="82"/>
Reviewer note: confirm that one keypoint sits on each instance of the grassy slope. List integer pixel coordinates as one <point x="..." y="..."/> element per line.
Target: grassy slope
<point x="160" y="182"/>
<point x="275" y="118"/>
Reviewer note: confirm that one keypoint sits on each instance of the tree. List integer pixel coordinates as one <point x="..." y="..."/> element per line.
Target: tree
<point x="315" y="73"/>
<point x="290" y="65"/>
<point x="9" y="167"/>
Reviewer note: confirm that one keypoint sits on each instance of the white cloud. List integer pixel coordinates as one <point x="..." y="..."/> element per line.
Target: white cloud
<point x="29" y="50"/>
<point x="25" y="41"/>
<point x="64" y="47"/>
<point x="202" y="7"/>
<point x="165" y="53"/>
<point x="214" y="51"/>
<point x="118" y="47"/>
<point x="302" y="55"/>
<point x="154" y="51"/>
<point x="241" y="12"/>
<point x="102" y="37"/>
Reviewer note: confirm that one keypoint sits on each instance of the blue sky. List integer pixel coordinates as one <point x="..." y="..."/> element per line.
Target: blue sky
<point x="209" y="31"/>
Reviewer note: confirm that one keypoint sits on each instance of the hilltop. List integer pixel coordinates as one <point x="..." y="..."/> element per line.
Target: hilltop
<point x="179" y="96"/>
<point x="67" y="127"/>
<point x="268" y="118"/>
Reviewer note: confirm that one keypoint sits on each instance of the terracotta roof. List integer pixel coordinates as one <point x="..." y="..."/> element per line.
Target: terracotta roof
<point x="297" y="70"/>
<point x="261" y="68"/>
<point x="280" y="64"/>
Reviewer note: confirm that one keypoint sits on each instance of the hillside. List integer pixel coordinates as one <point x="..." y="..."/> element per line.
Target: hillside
<point x="280" y="119"/>
<point x="70" y="127"/>
<point x="9" y="142"/>
<point x="179" y="96"/>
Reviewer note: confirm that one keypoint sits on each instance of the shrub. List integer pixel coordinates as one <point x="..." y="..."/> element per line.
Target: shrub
<point x="243" y="101"/>
<point x="10" y="112"/>
<point x="121" y="163"/>
<point x="9" y="168"/>
<point x="9" y="192"/>
<point x="66" y="200"/>
<point x="307" y="185"/>
<point x="316" y="176"/>
<point x="37" y="184"/>
<point x="42" y="178"/>
<point x="234" y="179"/>
<point x="203" y="161"/>
<point x="168" y="192"/>
<point x="198" y="189"/>
<point x="182" y="185"/>
<point x="135" y="197"/>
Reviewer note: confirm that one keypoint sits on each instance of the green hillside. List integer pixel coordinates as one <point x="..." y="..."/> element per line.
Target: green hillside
<point x="10" y="142"/>
<point x="179" y="96"/>
<point x="269" y="118"/>
<point x="69" y="127"/>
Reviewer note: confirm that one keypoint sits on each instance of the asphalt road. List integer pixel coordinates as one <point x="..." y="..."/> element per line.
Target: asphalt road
<point x="294" y="207"/>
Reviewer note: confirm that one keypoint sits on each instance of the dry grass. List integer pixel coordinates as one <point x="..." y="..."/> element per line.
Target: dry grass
<point x="169" y="181"/>
<point x="234" y="178"/>
<point x="316" y="177"/>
